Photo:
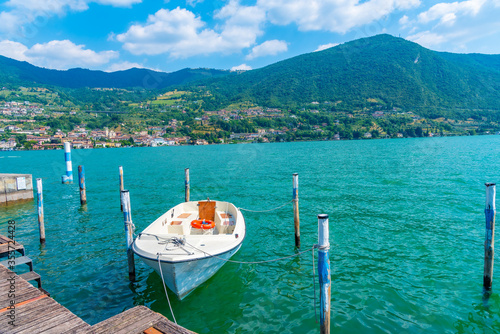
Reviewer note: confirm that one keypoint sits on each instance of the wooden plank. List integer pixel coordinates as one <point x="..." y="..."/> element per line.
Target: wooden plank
<point x="47" y="316"/>
<point x="24" y="302"/>
<point x="207" y="210"/>
<point x="152" y="330"/>
<point x="134" y="320"/>
<point x="30" y="276"/>
<point x="184" y="215"/>
<point x="7" y="245"/>
<point x="168" y="327"/>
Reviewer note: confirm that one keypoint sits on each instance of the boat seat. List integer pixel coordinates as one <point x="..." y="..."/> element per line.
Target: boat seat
<point x="225" y="222"/>
<point x="181" y="225"/>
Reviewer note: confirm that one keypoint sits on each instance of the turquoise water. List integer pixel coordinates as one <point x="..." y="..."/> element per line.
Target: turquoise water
<point x="406" y="233"/>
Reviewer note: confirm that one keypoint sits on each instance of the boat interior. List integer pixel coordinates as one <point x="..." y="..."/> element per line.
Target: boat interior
<point x="178" y="219"/>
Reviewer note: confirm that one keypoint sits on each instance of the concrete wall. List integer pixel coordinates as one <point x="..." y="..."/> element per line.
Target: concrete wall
<point x="15" y="188"/>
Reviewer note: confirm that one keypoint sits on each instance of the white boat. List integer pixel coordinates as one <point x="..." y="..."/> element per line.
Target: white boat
<point x="191" y="242"/>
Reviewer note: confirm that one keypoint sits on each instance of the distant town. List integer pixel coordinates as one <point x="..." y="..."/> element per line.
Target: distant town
<point x="177" y="118"/>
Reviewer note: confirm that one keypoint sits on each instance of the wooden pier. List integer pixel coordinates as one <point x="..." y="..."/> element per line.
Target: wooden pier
<point x="26" y="309"/>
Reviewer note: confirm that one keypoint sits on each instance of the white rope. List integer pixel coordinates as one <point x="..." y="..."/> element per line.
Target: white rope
<point x="165" y="288"/>
<point x="279" y="207"/>
<point x="252" y="262"/>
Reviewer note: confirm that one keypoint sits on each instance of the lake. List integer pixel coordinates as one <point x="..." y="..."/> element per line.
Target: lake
<point x="406" y="231"/>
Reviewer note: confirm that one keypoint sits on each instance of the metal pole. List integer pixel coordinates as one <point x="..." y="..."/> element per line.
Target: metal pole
<point x="81" y="182"/>
<point x="489" y="242"/>
<point x="121" y="184"/>
<point x="296" y="219"/>
<point x="68" y="178"/>
<point x="324" y="273"/>
<point x="129" y="232"/>
<point x="186" y="171"/>
<point x="41" y="223"/>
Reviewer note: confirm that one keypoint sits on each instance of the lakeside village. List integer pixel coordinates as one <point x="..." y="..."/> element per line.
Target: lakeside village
<point x="28" y="125"/>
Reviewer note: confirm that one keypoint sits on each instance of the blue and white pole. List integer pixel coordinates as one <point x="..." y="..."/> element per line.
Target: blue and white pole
<point x="68" y="178"/>
<point x="295" y="199"/>
<point x="324" y="273"/>
<point x="129" y="232"/>
<point x="186" y="184"/>
<point x="41" y="224"/>
<point x="489" y="242"/>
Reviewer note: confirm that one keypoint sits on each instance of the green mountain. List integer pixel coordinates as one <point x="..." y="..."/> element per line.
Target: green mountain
<point x="16" y="72"/>
<point x="381" y="70"/>
<point x="378" y="72"/>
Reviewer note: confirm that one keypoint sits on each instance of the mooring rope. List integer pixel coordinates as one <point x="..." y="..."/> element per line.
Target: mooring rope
<point x="253" y="262"/>
<point x="165" y="288"/>
<point x="279" y="207"/>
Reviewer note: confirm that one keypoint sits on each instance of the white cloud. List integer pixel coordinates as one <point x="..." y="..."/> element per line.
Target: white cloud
<point x="25" y="15"/>
<point x="326" y="46"/>
<point x="332" y="15"/>
<point x="181" y="33"/>
<point x="118" y="3"/>
<point x="427" y="39"/>
<point x="48" y="6"/>
<point x="8" y="22"/>
<point x="13" y="50"/>
<point x="268" y="48"/>
<point x="447" y="13"/>
<point x="57" y="54"/>
<point x="193" y="3"/>
<point x="404" y="20"/>
<point x="122" y="66"/>
<point x="242" y="67"/>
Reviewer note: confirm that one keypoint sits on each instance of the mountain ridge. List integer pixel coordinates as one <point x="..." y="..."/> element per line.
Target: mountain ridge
<point x="386" y="68"/>
<point x="22" y="72"/>
<point x="381" y="70"/>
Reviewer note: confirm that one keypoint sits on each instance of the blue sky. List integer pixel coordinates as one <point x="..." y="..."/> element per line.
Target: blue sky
<point x="169" y="35"/>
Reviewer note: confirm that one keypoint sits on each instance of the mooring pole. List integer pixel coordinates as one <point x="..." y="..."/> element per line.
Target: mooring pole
<point x="186" y="171"/>
<point x="68" y="178"/>
<point x="296" y="219"/>
<point x="129" y="232"/>
<point x="324" y="273"/>
<point x="489" y="242"/>
<point x="81" y="182"/>
<point x="121" y="185"/>
<point x="41" y="224"/>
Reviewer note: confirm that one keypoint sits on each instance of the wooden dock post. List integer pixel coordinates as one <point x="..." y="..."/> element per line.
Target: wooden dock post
<point x="489" y="243"/>
<point x="41" y="223"/>
<point x="68" y="178"/>
<point x="121" y="185"/>
<point x="186" y="171"/>
<point x="129" y="232"/>
<point x="81" y="182"/>
<point x="296" y="219"/>
<point x="324" y="273"/>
